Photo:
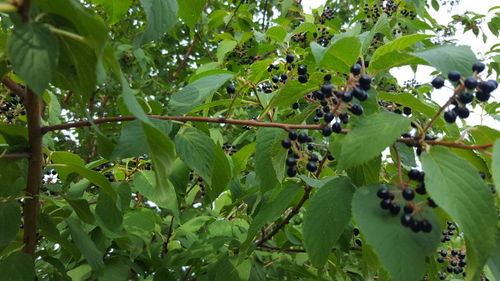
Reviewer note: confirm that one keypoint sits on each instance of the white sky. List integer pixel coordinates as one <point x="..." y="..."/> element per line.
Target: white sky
<point x="477" y="45"/>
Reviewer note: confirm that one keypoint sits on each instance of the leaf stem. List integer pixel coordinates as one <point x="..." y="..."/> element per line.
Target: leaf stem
<point x="68" y="34"/>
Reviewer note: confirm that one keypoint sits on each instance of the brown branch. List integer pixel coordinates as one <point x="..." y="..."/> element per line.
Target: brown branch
<point x="414" y="142"/>
<point x="14" y="87"/>
<point x="398" y="161"/>
<point x="24" y="10"/>
<point x="294" y="211"/>
<point x="15" y="155"/>
<point x="232" y="16"/>
<point x="34" y="172"/>
<point x="185" y="58"/>
<point x="169" y="235"/>
<point x="289" y="250"/>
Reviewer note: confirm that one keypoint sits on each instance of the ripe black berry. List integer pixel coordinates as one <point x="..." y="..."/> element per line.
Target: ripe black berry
<point x="344" y="117"/>
<point x="365" y="80"/>
<point x="291" y="161"/>
<point x="292" y="135"/>
<point x="347" y="97"/>
<point x="440" y="260"/>
<point x="327" y="77"/>
<point x="454" y="76"/>
<point x="302" y="79"/>
<point x="406" y="220"/>
<point x="312" y="166"/>
<point x="313" y="158"/>
<point x="356" y="109"/>
<point x="407" y="110"/>
<point x="358" y="242"/>
<point x="336" y="127"/>
<point x="425" y="226"/>
<point x="465" y="97"/>
<point x="416" y="226"/>
<point x="310" y="147"/>
<point x="421" y="189"/>
<point x="230" y="89"/>
<point x="355" y="231"/>
<point x="437" y="82"/>
<point x="443" y="253"/>
<point x="470" y="83"/>
<point x="303" y="137"/>
<point x="408" y="194"/>
<point x="431" y="203"/>
<point x="454" y="252"/>
<point x="286" y="143"/>
<point x="482" y="96"/>
<point x="394" y="208"/>
<point x="356" y="69"/>
<point x="291" y="172"/>
<point x="450" y="116"/>
<point x="295" y="105"/>
<point x="329" y="117"/>
<point x="488" y="86"/>
<point x="289" y="58"/>
<point x="383" y="193"/>
<point x="415" y="175"/>
<point x="284" y="77"/>
<point x="327" y="131"/>
<point x="408" y="209"/>
<point x="478" y="67"/>
<point x="386" y="203"/>
<point x="360" y="94"/>
<point x="326" y="89"/>
<point x="462" y="112"/>
<point x="302" y="69"/>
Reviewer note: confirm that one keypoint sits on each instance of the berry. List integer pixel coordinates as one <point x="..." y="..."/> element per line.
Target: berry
<point x="315" y="119"/>
<point x="312" y="166"/>
<point x="457" y="270"/>
<point x="437" y="82"/>
<point x="478" y="67"/>
<point x="414" y="174"/>
<point x="302" y="70"/>
<point x="230" y="89"/>
<point x="356" y="109"/>
<point x="291" y="161"/>
<point x="426" y="226"/>
<point x="275" y="79"/>
<point x="303" y="137"/>
<point x="356" y="69"/>
<point x="408" y="194"/>
<point x="406" y="220"/>
<point x="329" y="117"/>
<point x="360" y="94"/>
<point x="336" y="127"/>
<point x="453" y="263"/>
<point x="465" y="97"/>
<point x="344" y="117"/>
<point x="450" y="116"/>
<point x="454" y="252"/>
<point x="326" y="89"/>
<point x="284" y="77"/>
<point x="407" y="110"/>
<point x="286" y="143"/>
<point x="408" y="209"/>
<point x="327" y="77"/>
<point x="416" y="226"/>
<point x="289" y="58"/>
<point x="470" y="83"/>
<point x="347" y="97"/>
<point x="482" y="96"/>
<point x="394" y="209"/>
<point x="302" y="79"/>
<point x="291" y="172"/>
<point x="462" y="112"/>
<point x="461" y="255"/>
<point x="383" y="193"/>
<point x="421" y="189"/>
<point x="443" y="253"/>
<point x="327" y="131"/>
<point x="310" y="147"/>
<point x="440" y="260"/>
<point x="386" y="204"/>
<point x="454" y="76"/>
<point x="358" y="242"/>
<point x="431" y="203"/>
<point x="313" y="158"/>
<point x="292" y="135"/>
<point x="355" y="231"/>
<point x="365" y="80"/>
<point x="295" y="105"/>
<point x="488" y="86"/>
<point x="451" y="227"/>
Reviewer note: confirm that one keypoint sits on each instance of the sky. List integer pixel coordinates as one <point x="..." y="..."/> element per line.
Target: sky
<point x="444" y="16"/>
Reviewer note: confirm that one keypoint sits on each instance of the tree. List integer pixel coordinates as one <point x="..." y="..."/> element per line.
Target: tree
<point x="244" y="140"/>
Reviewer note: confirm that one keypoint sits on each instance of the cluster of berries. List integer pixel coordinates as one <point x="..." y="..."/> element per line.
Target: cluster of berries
<point x="328" y="14"/>
<point x="50" y="177"/>
<point x="106" y="168"/>
<point x="452" y="261"/>
<point x="229" y="149"/>
<point x="483" y="90"/>
<point x="358" y="242"/>
<point x="324" y="37"/>
<point x="388" y="7"/>
<point x="11" y="106"/>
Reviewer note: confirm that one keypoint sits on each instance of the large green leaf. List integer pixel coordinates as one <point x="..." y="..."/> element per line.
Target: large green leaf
<point x="456" y="187"/>
<point x="10" y="216"/>
<point x="63" y="157"/>
<point x="258" y="69"/>
<point x="342" y="54"/>
<point x="190" y="11"/>
<point x="93" y="176"/>
<point x="18" y="267"/>
<point x="366" y="173"/>
<point x="448" y="58"/>
<point x="494" y="260"/>
<point x="495" y="164"/>
<point x="13" y="175"/>
<point x="327" y="215"/>
<point x="107" y="213"/>
<point x="83" y="242"/>
<point x="370" y="136"/>
<point x="195" y="93"/>
<point x="140" y="222"/>
<point x="115" y="9"/>
<point x="225" y="46"/>
<point x="402" y="251"/>
<point x="264" y="169"/>
<point x="206" y="158"/>
<point x="161" y="17"/>
<point x="34" y="52"/>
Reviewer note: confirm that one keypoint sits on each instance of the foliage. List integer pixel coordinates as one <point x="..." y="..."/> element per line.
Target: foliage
<point x="245" y="140"/>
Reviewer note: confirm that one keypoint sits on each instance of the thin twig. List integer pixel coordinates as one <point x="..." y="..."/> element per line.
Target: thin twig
<point x="232" y="16"/>
<point x="398" y="163"/>
<point x="182" y="64"/>
<point x="15" y="155"/>
<point x="169" y="235"/>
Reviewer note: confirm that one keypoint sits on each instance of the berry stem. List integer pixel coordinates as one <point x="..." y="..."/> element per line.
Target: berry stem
<point x="398" y="163"/>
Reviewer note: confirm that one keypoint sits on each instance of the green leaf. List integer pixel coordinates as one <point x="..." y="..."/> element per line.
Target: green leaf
<point x="318" y="52"/>
<point x="258" y="69"/>
<point x="366" y="173"/>
<point x="63" y="157"/>
<point x="406" y="153"/>
<point x="225" y="46"/>
<point x="277" y="33"/>
<point x="83" y="242"/>
<point x="107" y="213"/>
<point x="456" y="187"/>
<point x="195" y="93"/>
<point x="190" y="11"/>
<point x="93" y="176"/>
<point x="398" y="44"/>
<point x="140" y="222"/>
<point x="495" y="163"/>
<point x="494" y="260"/>
<point x="161" y="17"/>
<point x="265" y="172"/>
<point x="82" y="210"/>
<point x="115" y="9"/>
<point x="370" y="136"/>
<point x="327" y="215"/>
<point x="13" y="175"/>
<point x="448" y="58"/>
<point x="240" y="158"/>
<point x="206" y="158"/>
<point x="402" y="251"/>
<point x="342" y="54"/>
<point x="10" y="216"/>
<point x="18" y="267"/>
<point x="34" y="52"/>
<point x="294" y="90"/>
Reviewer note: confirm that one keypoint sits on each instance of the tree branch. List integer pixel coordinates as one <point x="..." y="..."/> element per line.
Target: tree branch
<point x="14" y="87"/>
<point x="15" y="155"/>
<point x="289" y="250"/>
<point x="34" y="180"/>
<point x="185" y="58"/>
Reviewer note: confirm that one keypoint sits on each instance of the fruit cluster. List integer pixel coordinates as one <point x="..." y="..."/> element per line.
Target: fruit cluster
<point x="328" y="14"/>
<point x="106" y="168"/>
<point x="229" y="149"/>
<point x="11" y="106"/>
<point x="50" y="177"/>
<point x="452" y="261"/>
<point x="410" y="209"/>
<point x="483" y="90"/>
